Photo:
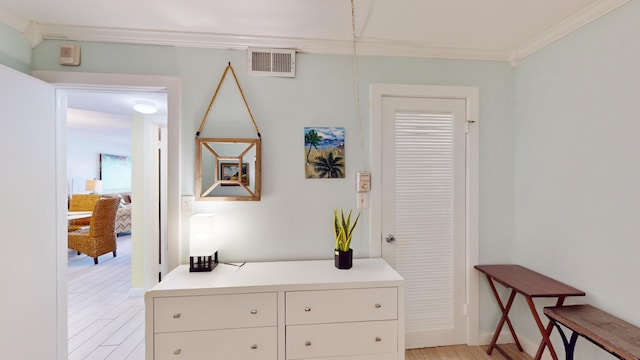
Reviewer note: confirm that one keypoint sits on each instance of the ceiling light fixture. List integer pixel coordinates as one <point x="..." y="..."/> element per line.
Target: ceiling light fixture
<point x="145" y="107"/>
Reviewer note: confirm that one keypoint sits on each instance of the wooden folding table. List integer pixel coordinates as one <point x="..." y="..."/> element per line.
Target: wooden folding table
<point x="531" y="285"/>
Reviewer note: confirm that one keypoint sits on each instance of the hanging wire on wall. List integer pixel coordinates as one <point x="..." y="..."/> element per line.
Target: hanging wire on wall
<point x="355" y="77"/>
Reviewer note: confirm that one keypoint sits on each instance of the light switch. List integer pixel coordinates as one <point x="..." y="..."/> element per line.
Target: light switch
<point x="363" y="181"/>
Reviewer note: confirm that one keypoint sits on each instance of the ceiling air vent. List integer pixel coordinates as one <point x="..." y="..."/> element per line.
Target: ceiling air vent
<point x="272" y="62"/>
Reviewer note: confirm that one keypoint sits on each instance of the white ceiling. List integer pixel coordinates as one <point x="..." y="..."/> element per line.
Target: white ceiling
<point x="488" y="29"/>
<point x="106" y="116"/>
<point x="119" y="103"/>
<point x="503" y="30"/>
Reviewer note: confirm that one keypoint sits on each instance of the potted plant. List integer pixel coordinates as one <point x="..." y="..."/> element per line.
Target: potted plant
<point x="343" y="230"/>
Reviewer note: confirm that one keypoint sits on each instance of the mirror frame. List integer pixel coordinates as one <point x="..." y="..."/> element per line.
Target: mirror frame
<point x="204" y="143"/>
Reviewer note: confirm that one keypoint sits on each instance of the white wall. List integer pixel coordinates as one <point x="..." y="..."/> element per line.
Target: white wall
<point x="577" y="172"/>
<point x="84" y="149"/>
<point x="29" y="300"/>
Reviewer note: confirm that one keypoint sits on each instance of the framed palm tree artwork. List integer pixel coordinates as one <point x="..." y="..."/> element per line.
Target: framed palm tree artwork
<point x="324" y="152"/>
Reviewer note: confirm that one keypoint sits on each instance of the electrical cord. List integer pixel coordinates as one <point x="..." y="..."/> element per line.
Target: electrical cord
<point x="231" y="264"/>
<point x="355" y="74"/>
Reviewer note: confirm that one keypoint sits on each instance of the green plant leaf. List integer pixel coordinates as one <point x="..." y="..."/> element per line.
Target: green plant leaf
<point x="343" y="229"/>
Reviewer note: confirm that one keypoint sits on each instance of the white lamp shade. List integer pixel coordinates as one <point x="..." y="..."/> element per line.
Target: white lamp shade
<point x="202" y="239"/>
<point x="93" y="185"/>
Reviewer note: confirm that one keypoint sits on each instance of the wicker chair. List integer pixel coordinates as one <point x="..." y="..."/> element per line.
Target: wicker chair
<point x="81" y="202"/>
<point x="100" y="237"/>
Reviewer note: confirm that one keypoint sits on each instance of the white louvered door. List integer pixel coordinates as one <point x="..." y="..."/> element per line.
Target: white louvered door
<point x="423" y="208"/>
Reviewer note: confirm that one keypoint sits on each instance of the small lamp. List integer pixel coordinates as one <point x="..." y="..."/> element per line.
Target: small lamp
<point x="93" y="185"/>
<point x="203" y="250"/>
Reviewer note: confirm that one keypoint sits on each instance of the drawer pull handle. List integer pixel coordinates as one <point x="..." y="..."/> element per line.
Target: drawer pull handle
<point x="307" y="343"/>
<point x="378" y="306"/>
<point x="378" y="339"/>
<point x="176" y="316"/>
<point x="254" y="311"/>
<point x="177" y="352"/>
<point x="254" y="346"/>
<point x="307" y="309"/>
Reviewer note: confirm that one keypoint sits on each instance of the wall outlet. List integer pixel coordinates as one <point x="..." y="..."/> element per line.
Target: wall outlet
<point x="363" y="200"/>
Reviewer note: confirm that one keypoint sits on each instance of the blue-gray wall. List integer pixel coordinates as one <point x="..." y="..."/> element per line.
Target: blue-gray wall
<point x="577" y="174"/>
<point x="15" y="51"/>
<point x="293" y="219"/>
<point x="320" y="95"/>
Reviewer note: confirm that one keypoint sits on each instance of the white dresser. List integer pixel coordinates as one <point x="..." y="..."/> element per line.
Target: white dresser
<point x="278" y="311"/>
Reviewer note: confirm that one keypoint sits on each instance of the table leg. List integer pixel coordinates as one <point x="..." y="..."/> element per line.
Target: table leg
<point x="569" y="344"/>
<point x="504" y="318"/>
<point x="546" y="332"/>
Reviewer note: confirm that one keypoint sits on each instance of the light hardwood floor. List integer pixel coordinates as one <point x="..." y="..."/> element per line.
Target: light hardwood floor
<point x="107" y="323"/>
<point x="464" y="352"/>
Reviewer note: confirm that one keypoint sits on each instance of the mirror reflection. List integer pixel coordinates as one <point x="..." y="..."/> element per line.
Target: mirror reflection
<point x="227" y="169"/>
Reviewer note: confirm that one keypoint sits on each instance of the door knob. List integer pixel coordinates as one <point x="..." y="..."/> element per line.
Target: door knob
<point x="390" y="238"/>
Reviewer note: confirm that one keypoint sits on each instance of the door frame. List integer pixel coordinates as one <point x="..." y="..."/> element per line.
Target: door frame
<point x="471" y="95"/>
<point x="64" y="81"/>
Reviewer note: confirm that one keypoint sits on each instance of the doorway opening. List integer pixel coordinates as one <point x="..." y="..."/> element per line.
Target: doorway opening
<point x="65" y="82"/>
<point x="105" y="137"/>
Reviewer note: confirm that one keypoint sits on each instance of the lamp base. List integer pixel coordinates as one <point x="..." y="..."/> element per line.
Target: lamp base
<point x="203" y="263"/>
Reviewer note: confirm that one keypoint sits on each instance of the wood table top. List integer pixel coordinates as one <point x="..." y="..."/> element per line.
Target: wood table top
<point x="613" y="334"/>
<point x="75" y="215"/>
<point x="528" y="282"/>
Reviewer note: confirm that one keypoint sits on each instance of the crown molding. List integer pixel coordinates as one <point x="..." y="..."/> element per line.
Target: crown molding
<point x="242" y="42"/>
<point x="17" y="22"/>
<point x="27" y="28"/>
<point x="582" y="18"/>
<point x="35" y="33"/>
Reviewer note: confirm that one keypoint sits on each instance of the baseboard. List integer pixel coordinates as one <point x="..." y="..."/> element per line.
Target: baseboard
<point x="504" y="338"/>
<point x="530" y="347"/>
<point x="136" y="292"/>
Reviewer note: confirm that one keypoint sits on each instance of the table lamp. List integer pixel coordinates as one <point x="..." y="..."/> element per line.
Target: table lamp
<point x="93" y="185"/>
<point x="203" y="249"/>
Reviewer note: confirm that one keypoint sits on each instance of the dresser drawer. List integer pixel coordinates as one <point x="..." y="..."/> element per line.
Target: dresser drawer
<point x="245" y="344"/>
<point x="343" y="339"/>
<point x="215" y="312"/>
<point x="327" y="306"/>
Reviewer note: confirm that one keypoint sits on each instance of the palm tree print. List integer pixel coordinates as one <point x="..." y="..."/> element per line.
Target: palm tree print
<point x="330" y="167"/>
<point x="311" y="139"/>
<point x="324" y="152"/>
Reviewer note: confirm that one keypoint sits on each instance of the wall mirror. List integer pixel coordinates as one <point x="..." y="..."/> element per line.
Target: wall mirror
<point x="228" y="169"/>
